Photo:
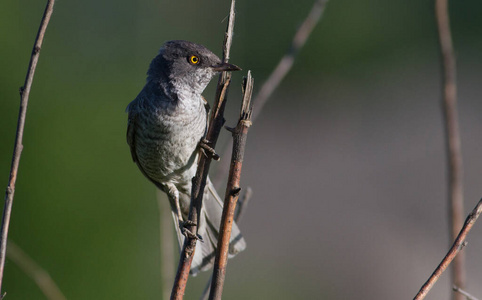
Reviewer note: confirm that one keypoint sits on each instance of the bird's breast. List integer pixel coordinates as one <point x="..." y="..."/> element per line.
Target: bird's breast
<point x="167" y="140"/>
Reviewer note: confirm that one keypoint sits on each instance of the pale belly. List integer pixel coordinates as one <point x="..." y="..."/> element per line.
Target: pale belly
<point x="168" y="154"/>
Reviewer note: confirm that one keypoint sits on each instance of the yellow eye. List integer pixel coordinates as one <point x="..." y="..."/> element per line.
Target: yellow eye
<point x="193" y="59"/>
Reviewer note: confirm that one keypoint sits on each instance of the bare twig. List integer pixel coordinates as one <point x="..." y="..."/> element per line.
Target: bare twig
<point x="199" y="181"/>
<point x="281" y="70"/>
<point x="454" y="250"/>
<point x="240" y="133"/>
<point x="464" y="293"/>
<point x="34" y="271"/>
<point x="454" y="153"/>
<point x="285" y="64"/>
<point x="17" y="151"/>
<point x="166" y="239"/>
<point x="242" y="205"/>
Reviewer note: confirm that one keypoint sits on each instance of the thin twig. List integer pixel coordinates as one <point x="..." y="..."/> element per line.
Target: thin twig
<point x="281" y="70"/>
<point x="34" y="271"/>
<point x="167" y="245"/>
<point x="285" y="64"/>
<point x="199" y="181"/>
<point x="454" y="250"/>
<point x="464" y="293"/>
<point x="452" y="133"/>
<point x="17" y="151"/>
<point x="240" y="133"/>
<point x="242" y="206"/>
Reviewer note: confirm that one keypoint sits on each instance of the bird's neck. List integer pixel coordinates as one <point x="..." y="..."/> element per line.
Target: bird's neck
<point x="185" y="90"/>
<point x="174" y="95"/>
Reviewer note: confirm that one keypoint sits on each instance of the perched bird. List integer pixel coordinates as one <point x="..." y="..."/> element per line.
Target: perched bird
<point x="166" y="123"/>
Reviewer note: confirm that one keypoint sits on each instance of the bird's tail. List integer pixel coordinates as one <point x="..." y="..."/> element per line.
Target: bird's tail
<point x="210" y="220"/>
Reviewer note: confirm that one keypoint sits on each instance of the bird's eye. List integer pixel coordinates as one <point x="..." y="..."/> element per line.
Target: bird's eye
<point x="193" y="59"/>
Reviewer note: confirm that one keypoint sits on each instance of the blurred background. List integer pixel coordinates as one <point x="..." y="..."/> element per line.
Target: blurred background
<point x="346" y="161"/>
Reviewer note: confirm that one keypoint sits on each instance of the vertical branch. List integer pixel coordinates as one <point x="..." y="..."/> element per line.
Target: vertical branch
<point x="242" y="206"/>
<point x="17" y="151"/>
<point x="454" y="250"/>
<point x="454" y="154"/>
<point x="240" y="133"/>
<point x="199" y="181"/>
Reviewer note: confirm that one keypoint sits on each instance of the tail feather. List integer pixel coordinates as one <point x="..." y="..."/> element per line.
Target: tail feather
<point x="211" y="214"/>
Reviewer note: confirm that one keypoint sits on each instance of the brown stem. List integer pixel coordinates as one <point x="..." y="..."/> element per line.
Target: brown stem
<point x="17" y="151"/>
<point x="242" y="205"/>
<point x="457" y="245"/>
<point x="454" y="153"/>
<point x="240" y="133"/>
<point x="199" y="181"/>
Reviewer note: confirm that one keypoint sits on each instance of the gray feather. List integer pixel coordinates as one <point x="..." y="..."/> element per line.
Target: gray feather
<point x="166" y="121"/>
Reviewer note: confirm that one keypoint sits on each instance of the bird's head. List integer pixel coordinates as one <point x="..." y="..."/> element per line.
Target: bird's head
<point x="188" y="67"/>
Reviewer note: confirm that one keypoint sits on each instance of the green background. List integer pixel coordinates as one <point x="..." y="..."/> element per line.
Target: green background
<point x="346" y="161"/>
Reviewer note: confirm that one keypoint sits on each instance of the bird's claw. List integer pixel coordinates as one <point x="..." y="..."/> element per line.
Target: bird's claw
<point x="208" y="150"/>
<point x="188" y="233"/>
<point x="187" y="223"/>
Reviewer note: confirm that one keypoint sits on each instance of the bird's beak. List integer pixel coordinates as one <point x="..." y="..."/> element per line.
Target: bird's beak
<point x="225" y="67"/>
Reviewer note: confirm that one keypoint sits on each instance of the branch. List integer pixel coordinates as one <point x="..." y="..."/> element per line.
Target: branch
<point x="240" y="133"/>
<point x="458" y="244"/>
<point x="285" y="64"/>
<point x="34" y="271"/>
<point x="17" y="151"/>
<point x="454" y="153"/>
<point x="199" y="181"/>
<point x="282" y="69"/>
<point x="242" y="205"/>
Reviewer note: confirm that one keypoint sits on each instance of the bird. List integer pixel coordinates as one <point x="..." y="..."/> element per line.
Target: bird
<point x="167" y="123"/>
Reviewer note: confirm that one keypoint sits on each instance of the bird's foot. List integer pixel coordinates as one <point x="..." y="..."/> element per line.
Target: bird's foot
<point x="188" y="233"/>
<point x="208" y="150"/>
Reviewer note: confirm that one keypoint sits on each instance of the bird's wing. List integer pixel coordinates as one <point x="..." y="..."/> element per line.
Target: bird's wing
<point x="131" y="130"/>
<point x="131" y="138"/>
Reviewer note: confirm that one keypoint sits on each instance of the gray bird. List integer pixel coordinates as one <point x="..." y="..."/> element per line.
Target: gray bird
<point x="166" y="123"/>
